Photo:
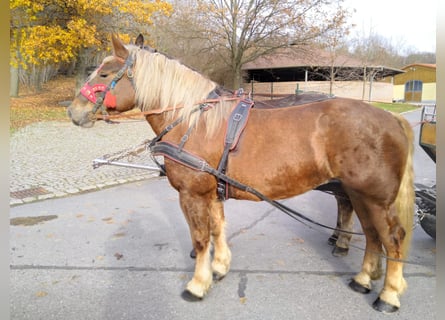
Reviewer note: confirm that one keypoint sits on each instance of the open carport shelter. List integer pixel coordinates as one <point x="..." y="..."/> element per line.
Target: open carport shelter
<point x="294" y="70"/>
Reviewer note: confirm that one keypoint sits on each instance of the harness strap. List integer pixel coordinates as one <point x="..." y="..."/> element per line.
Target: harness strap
<point x="192" y="161"/>
<point x="186" y="136"/>
<point x="158" y="138"/>
<point x="235" y="126"/>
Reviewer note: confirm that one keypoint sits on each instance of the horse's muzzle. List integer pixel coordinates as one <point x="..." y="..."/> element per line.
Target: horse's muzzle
<point x="84" y="119"/>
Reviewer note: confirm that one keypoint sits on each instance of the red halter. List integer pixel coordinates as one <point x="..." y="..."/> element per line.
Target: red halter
<point x="109" y="100"/>
<point x="89" y="92"/>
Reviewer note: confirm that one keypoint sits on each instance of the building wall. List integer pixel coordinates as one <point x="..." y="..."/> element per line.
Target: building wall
<point x="416" y="72"/>
<point x="380" y="91"/>
<point x="425" y="74"/>
<point x="428" y="92"/>
<point x="399" y="92"/>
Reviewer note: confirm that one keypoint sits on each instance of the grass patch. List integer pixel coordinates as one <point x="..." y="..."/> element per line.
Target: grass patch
<point x="395" y="107"/>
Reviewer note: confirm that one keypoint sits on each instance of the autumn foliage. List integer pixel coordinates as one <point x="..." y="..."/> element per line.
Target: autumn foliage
<point x="51" y="32"/>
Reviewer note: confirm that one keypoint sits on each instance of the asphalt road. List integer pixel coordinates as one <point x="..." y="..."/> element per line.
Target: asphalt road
<point x="123" y="253"/>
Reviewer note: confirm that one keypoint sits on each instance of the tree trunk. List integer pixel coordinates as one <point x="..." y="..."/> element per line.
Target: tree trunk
<point x="331" y="80"/>
<point x="14" y="85"/>
<point x="237" y="77"/>
<point x="86" y="60"/>
<point x="364" y="83"/>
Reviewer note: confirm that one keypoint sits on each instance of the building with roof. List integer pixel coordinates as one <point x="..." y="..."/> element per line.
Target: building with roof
<point x="417" y="84"/>
<point x="293" y="70"/>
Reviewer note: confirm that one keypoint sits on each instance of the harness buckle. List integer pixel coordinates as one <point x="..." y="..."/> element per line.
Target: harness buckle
<point x="237" y="117"/>
<point x="203" y="165"/>
<point x="130" y="73"/>
<point x="222" y="190"/>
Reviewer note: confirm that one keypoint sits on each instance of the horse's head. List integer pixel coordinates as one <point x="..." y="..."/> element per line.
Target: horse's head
<point x="108" y="90"/>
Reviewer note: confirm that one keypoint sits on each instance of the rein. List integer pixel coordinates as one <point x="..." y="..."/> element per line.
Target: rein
<point x="207" y="102"/>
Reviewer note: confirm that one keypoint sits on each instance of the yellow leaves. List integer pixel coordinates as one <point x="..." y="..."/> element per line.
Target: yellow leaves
<point x="82" y="34"/>
<point x="54" y="31"/>
<point x="143" y="11"/>
<point x="41" y="45"/>
<point x="30" y="6"/>
<point x="125" y="37"/>
<point x="101" y="7"/>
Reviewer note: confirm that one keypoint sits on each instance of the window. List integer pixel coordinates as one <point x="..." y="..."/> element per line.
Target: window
<point x="413" y="86"/>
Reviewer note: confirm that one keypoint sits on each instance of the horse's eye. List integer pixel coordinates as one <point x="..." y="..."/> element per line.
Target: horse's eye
<point x="90" y="70"/>
<point x="103" y="75"/>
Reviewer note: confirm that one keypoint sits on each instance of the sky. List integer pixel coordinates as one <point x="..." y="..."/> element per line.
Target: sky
<point x="409" y="23"/>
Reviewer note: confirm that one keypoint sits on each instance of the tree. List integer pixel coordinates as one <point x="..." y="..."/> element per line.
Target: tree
<point x="48" y="33"/>
<point x="333" y="41"/>
<point x="240" y="31"/>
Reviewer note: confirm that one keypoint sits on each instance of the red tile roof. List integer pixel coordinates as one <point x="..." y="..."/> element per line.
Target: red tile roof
<point x="427" y="65"/>
<point x="291" y="57"/>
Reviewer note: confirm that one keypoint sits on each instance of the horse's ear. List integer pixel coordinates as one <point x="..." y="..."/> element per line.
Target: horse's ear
<point x="140" y="41"/>
<point x="119" y="49"/>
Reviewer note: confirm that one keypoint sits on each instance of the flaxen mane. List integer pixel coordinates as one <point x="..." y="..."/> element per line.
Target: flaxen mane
<point x="163" y="83"/>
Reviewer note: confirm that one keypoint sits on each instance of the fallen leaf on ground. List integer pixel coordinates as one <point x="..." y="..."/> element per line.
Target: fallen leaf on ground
<point x="41" y="294"/>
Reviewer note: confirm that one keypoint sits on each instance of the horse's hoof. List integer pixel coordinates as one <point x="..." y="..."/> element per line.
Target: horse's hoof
<point x="357" y="287"/>
<point x="332" y="240"/>
<point x="193" y="254"/>
<point x="384" y="307"/>
<point x="217" y="276"/>
<point x="189" y="297"/>
<point x="339" y="251"/>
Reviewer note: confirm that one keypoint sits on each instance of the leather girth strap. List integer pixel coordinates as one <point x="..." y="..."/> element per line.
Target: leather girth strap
<point x="235" y="126"/>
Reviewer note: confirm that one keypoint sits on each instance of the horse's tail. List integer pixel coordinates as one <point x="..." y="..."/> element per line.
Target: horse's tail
<point x="405" y="199"/>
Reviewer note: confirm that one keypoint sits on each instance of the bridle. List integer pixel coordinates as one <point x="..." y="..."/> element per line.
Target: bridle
<point x="106" y="99"/>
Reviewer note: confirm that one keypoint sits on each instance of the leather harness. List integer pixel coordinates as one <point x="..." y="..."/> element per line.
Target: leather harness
<point x="237" y="123"/>
<point x="235" y="126"/>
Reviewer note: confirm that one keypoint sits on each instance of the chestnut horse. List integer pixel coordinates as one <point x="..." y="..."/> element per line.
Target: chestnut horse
<point x="281" y="153"/>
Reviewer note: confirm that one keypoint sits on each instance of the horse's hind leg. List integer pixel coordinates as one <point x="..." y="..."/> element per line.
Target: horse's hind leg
<point x="222" y="255"/>
<point x="394" y="238"/>
<point x="340" y="240"/>
<point x="382" y="227"/>
<point x="196" y="212"/>
<point x="371" y="266"/>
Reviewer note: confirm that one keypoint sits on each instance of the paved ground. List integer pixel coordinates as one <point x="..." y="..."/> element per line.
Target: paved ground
<point x="54" y="159"/>
<point x="121" y="252"/>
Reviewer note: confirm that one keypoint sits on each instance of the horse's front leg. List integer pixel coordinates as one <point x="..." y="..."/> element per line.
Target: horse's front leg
<point x="197" y="213"/>
<point x="222" y="255"/>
